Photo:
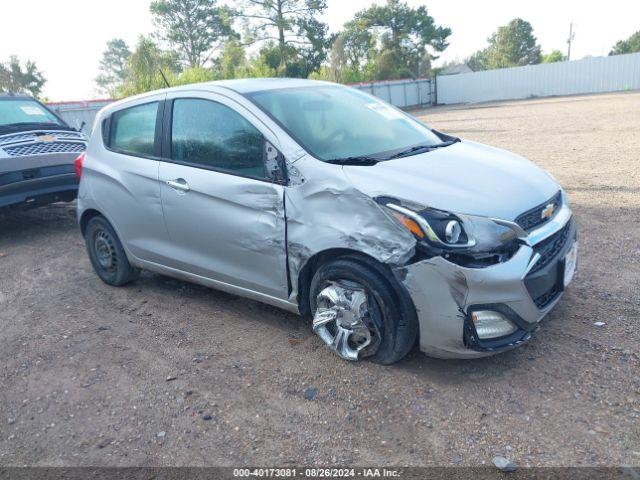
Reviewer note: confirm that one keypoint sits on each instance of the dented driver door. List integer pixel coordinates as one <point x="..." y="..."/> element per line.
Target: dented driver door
<point x="224" y="216"/>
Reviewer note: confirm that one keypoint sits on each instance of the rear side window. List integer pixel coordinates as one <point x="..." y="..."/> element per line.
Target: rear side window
<point x="133" y="130"/>
<point x="211" y="135"/>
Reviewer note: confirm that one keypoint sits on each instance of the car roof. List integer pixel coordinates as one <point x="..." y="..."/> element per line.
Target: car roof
<point x="252" y="85"/>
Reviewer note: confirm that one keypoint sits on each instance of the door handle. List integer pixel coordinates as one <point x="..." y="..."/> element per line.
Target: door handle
<point x="179" y="184"/>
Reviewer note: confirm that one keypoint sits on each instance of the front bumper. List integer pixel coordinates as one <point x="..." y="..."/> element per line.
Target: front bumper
<point x="524" y="289"/>
<point x="34" y="187"/>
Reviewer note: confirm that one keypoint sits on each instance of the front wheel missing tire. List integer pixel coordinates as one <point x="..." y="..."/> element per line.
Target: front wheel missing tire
<point x="343" y="320"/>
<point x="359" y="313"/>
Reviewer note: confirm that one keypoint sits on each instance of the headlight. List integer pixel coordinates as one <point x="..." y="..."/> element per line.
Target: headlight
<point x="436" y="227"/>
<point x="454" y="232"/>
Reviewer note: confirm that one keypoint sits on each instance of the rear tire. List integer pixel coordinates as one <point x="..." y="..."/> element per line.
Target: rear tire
<point x="391" y="313"/>
<point x="106" y="253"/>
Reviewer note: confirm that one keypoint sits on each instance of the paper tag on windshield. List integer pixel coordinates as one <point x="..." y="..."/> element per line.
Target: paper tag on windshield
<point x="385" y="110"/>
<point x="31" y="110"/>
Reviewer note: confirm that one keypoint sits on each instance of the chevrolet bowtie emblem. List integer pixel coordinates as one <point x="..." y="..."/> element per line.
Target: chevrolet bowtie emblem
<point x="46" y="138"/>
<point x="547" y="213"/>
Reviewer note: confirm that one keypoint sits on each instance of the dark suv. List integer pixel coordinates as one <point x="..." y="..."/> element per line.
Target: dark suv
<point x="37" y="153"/>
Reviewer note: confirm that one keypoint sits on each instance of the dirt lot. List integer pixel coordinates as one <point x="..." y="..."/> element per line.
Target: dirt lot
<point x="84" y="367"/>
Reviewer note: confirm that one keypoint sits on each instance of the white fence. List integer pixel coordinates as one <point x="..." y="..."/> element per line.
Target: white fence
<point x="401" y="93"/>
<point x="590" y="75"/>
<point x="78" y="113"/>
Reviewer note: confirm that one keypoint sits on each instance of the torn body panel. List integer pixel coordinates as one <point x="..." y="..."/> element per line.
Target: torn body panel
<point x="443" y="293"/>
<point x="329" y="213"/>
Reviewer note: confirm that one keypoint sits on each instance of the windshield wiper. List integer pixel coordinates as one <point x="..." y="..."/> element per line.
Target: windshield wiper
<point x="363" y="160"/>
<point x="419" y="148"/>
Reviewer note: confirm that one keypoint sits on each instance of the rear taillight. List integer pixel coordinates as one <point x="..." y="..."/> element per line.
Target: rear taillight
<point x="78" y="165"/>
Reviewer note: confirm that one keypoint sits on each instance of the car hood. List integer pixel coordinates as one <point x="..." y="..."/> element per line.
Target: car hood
<point x="466" y="178"/>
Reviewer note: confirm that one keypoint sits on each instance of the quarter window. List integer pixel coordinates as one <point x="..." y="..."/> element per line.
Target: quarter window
<point x="133" y="130"/>
<point x="210" y="135"/>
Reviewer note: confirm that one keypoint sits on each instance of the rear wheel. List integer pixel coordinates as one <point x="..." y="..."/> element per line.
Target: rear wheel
<point x="359" y="314"/>
<point x="107" y="254"/>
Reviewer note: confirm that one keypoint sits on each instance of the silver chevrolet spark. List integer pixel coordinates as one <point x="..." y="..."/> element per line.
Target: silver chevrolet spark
<point x="325" y="201"/>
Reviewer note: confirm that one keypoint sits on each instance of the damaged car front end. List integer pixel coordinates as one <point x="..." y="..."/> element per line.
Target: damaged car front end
<point x="490" y="295"/>
<point x="480" y="242"/>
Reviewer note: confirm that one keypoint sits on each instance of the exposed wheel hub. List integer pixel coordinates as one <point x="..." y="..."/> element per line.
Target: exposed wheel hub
<point x="342" y="319"/>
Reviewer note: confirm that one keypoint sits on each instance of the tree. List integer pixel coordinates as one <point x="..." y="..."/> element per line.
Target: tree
<point x="511" y="45"/>
<point x="194" y="27"/>
<point x="478" y="61"/>
<point x="193" y="75"/>
<point x="113" y="66"/>
<point x="144" y="67"/>
<point x="630" y="45"/>
<point x="15" y="78"/>
<point x="232" y="62"/>
<point x="358" y="44"/>
<point x="290" y="30"/>
<point x="407" y="36"/>
<point x="341" y="68"/>
<point x="554" y="56"/>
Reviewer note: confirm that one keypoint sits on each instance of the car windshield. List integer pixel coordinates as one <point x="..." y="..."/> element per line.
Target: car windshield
<point x="334" y="122"/>
<point x="20" y="111"/>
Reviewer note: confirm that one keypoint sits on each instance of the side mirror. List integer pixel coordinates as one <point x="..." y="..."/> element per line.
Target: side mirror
<point x="274" y="163"/>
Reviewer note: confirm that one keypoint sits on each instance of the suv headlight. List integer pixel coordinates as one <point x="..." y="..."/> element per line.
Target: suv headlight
<point x="454" y="232"/>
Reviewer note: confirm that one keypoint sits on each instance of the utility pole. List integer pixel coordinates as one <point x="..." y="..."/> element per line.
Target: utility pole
<point x="572" y="35"/>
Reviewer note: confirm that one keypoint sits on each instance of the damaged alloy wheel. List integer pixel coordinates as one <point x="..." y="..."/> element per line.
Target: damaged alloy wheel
<point x="359" y="314"/>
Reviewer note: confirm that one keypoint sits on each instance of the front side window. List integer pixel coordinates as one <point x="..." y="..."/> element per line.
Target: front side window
<point x="133" y="130"/>
<point x="334" y="122"/>
<point x="211" y="135"/>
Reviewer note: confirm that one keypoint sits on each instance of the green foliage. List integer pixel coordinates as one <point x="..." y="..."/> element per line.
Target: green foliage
<point x="630" y="45"/>
<point x="144" y="66"/>
<point x="113" y="66"/>
<point x="382" y="42"/>
<point x="232" y="62"/>
<point x="511" y="45"/>
<point x="193" y="75"/>
<point x="406" y="38"/>
<point x="193" y="27"/>
<point x="358" y="44"/>
<point x="295" y="41"/>
<point x="554" y="56"/>
<point x="15" y="78"/>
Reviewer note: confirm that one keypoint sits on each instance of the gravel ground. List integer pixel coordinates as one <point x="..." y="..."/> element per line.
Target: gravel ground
<point x="168" y="373"/>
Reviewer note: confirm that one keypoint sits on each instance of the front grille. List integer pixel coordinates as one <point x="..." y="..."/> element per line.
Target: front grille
<point x="21" y="137"/>
<point x="545" y="279"/>
<point x="533" y="218"/>
<point x="547" y="297"/>
<point x="33" y="136"/>
<point x="45" y="147"/>
<point x="549" y="248"/>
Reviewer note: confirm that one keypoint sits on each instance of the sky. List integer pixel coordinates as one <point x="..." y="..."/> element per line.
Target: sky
<point x="67" y="40"/>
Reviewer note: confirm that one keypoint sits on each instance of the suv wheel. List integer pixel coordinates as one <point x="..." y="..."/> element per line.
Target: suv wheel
<point x="107" y="255"/>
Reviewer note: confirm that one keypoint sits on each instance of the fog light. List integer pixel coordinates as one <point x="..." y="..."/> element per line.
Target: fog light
<point x="490" y="324"/>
